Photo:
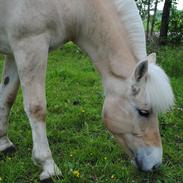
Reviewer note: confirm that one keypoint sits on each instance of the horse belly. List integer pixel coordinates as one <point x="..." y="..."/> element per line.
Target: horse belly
<point x="4" y="44"/>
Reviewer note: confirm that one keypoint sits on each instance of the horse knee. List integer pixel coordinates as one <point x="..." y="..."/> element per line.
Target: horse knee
<point x="36" y="111"/>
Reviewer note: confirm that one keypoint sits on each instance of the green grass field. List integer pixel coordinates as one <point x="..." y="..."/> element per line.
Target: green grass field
<point x="81" y="146"/>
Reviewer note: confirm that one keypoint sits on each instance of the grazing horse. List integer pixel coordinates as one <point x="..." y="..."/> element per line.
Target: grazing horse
<point x="111" y="33"/>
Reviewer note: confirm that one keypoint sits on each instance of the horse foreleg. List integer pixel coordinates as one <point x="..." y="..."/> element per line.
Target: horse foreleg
<point x="8" y="92"/>
<point x="31" y="58"/>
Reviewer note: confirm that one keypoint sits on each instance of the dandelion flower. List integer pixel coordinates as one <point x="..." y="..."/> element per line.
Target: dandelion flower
<point x="76" y="173"/>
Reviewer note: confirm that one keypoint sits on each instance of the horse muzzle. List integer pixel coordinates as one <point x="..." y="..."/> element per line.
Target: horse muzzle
<point x="148" y="158"/>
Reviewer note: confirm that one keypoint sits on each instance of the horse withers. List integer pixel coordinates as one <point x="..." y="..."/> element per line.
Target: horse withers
<point x="111" y="33"/>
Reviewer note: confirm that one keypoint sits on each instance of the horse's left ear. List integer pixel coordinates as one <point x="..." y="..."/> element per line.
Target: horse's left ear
<point x="152" y="58"/>
<point x="141" y="71"/>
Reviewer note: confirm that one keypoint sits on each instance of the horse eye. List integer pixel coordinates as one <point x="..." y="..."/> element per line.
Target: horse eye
<point x="144" y="113"/>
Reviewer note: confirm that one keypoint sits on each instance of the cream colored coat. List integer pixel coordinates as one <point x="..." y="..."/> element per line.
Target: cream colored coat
<point x="112" y="34"/>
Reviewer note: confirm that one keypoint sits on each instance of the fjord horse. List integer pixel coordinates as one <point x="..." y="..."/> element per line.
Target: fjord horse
<point x="111" y="33"/>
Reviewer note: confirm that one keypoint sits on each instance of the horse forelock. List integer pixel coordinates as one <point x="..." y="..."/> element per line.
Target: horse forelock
<point x="132" y="22"/>
<point x="158" y="89"/>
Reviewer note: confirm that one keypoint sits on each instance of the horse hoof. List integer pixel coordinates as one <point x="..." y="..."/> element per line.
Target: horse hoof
<point x="50" y="180"/>
<point x="7" y="151"/>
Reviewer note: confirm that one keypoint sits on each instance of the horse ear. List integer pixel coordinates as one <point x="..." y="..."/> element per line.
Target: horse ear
<point x="152" y="58"/>
<point x="141" y="71"/>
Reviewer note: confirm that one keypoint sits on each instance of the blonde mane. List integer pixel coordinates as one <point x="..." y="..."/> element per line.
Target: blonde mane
<point x="132" y="22"/>
<point x="158" y="89"/>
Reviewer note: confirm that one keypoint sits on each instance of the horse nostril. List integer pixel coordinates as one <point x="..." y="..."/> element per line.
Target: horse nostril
<point x="139" y="165"/>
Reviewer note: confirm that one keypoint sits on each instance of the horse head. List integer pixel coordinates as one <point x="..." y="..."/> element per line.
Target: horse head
<point x="131" y="116"/>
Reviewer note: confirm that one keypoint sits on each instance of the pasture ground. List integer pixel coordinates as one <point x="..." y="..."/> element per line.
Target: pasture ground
<point x="81" y="146"/>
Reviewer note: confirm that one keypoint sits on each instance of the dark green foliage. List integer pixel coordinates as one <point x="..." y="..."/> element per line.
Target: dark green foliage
<point x="142" y="6"/>
<point x="172" y="26"/>
<point x="176" y="26"/>
<point x="171" y="59"/>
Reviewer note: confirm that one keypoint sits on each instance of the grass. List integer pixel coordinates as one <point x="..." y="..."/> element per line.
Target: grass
<point x="81" y="146"/>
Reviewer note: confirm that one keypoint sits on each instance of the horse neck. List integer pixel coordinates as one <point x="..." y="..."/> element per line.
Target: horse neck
<point x="104" y="38"/>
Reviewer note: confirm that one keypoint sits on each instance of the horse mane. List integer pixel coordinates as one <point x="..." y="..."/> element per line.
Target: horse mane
<point x="158" y="89"/>
<point x="132" y="22"/>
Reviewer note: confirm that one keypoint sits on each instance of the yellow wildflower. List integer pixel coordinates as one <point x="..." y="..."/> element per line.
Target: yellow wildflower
<point x="113" y="177"/>
<point x="76" y="173"/>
